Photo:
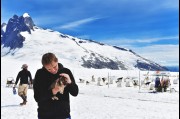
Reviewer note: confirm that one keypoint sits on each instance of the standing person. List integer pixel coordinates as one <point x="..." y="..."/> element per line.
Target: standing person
<point x="23" y="75"/>
<point x="48" y="107"/>
<point x="157" y="84"/>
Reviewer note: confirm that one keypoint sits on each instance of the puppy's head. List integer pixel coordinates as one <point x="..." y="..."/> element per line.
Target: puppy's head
<point x="61" y="81"/>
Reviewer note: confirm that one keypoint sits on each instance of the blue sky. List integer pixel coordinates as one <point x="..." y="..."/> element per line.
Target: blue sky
<point x="148" y="27"/>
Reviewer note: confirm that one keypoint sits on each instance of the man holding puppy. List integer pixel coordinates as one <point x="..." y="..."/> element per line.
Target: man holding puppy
<point x="48" y="108"/>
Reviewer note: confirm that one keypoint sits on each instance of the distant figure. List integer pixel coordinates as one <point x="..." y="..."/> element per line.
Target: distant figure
<point x="157" y="82"/>
<point x="165" y="84"/>
<point x="23" y="75"/>
<point x="161" y="85"/>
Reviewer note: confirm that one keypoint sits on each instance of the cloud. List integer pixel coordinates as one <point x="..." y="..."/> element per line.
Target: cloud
<point x="171" y="4"/>
<point x="162" y="54"/>
<point x="151" y="40"/>
<point x="77" y="23"/>
<point x="124" y="41"/>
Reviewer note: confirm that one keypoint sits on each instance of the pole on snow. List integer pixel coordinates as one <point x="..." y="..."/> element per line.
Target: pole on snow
<point x="108" y="79"/>
<point x="139" y="81"/>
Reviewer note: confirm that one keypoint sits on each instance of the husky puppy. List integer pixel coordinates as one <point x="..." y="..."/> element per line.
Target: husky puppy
<point x="61" y="82"/>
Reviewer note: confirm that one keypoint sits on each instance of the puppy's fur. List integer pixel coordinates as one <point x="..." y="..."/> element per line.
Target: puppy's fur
<point x="61" y="82"/>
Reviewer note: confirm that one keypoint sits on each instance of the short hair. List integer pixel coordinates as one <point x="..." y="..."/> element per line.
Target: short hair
<point x="48" y="58"/>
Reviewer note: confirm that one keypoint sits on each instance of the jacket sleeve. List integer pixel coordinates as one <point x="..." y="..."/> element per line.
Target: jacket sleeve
<point x="30" y="77"/>
<point x="17" y="78"/>
<point x="41" y="93"/>
<point x="73" y="87"/>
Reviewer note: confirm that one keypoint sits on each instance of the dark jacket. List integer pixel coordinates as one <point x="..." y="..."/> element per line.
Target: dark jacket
<point x="157" y="82"/>
<point x="23" y="76"/>
<point x="48" y="108"/>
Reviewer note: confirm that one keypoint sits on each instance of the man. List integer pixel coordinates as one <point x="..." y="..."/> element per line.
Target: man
<point x="23" y="75"/>
<point x="48" y="107"/>
<point x="157" y="84"/>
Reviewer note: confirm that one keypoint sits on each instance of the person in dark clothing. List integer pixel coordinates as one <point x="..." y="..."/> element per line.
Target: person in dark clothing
<point x="24" y="75"/>
<point x="48" y="108"/>
<point x="157" y="84"/>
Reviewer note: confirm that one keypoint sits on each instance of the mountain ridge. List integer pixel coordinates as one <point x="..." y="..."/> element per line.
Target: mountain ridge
<point x="22" y="34"/>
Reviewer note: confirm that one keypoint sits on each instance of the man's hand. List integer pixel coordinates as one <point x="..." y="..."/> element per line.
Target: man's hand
<point x="67" y="78"/>
<point x="31" y="84"/>
<point x="14" y="85"/>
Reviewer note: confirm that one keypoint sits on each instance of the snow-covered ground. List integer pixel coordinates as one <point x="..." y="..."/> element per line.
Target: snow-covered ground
<point x="94" y="102"/>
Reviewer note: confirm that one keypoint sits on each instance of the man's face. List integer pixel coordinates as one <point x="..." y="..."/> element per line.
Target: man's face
<point x="52" y="68"/>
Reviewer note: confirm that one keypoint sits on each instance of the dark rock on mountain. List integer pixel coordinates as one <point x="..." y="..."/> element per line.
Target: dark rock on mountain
<point x="12" y="37"/>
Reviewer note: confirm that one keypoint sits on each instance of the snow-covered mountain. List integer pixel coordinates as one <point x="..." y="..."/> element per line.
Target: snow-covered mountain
<point x="22" y="39"/>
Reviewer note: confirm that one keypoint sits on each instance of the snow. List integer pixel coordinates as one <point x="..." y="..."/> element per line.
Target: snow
<point x="93" y="102"/>
<point x="68" y="49"/>
<point x="26" y="15"/>
<point x="4" y="28"/>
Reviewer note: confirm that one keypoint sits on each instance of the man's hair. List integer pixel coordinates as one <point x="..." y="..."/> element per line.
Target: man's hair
<point x="48" y="58"/>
